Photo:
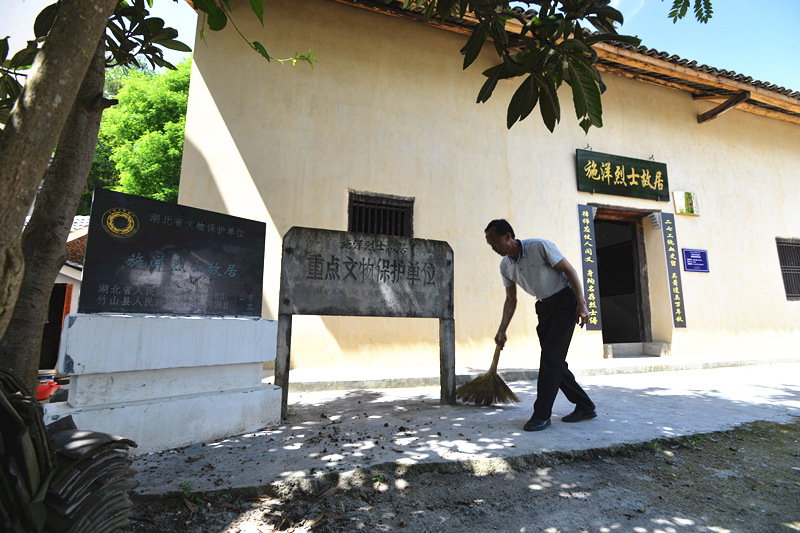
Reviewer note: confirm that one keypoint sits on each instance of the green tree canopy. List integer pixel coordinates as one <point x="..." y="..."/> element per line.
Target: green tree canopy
<point x="145" y="131"/>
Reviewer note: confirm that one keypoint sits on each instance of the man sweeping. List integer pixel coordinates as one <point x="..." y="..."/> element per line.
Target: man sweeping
<point x="542" y="271"/>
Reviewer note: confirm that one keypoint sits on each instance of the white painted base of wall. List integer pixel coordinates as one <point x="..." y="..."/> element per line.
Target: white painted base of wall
<point x="166" y="423"/>
<point x="166" y="381"/>
<point x="637" y="349"/>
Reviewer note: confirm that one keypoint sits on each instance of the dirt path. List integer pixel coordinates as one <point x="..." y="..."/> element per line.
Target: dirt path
<point x="746" y="480"/>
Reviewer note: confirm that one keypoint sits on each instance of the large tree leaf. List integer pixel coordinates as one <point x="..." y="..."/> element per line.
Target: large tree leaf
<point x="44" y="20"/>
<point x="585" y="93"/>
<point x="174" y="45"/>
<point x="548" y="101"/>
<point x="258" y="47"/>
<point x="258" y="8"/>
<point x="493" y="75"/>
<point x="217" y="18"/>
<point x="444" y="8"/>
<point x="155" y="24"/>
<point x="23" y="59"/>
<point x="474" y="45"/>
<point x="523" y="101"/>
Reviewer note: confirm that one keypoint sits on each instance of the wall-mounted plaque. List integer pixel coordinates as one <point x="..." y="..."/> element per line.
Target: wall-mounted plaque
<point x="695" y="260"/>
<point x="673" y="270"/>
<point x="621" y="176"/>
<point x="685" y="203"/>
<point x="591" y="285"/>
<point x="149" y="257"/>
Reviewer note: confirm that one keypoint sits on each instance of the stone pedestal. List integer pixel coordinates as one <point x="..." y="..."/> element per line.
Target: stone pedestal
<point x="166" y="382"/>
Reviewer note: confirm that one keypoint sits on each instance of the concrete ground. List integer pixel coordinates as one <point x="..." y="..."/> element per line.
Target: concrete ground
<point x="343" y="431"/>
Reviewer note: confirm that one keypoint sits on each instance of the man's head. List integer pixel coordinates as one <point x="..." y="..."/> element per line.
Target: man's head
<point x="500" y="236"/>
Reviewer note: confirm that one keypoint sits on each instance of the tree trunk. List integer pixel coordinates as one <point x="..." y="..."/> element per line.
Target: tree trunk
<point x="35" y="123"/>
<point x="45" y="236"/>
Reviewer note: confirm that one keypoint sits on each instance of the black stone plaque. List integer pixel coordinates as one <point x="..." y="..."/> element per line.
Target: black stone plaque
<point x="149" y="257"/>
<point x="621" y="176"/>
<point x="325" y="272"/>
<point x="673" y="270"/>
<point x="591" y="285"/>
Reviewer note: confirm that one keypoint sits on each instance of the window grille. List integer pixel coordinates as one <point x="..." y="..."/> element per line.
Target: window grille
<point x="789" y="257"/>
<point x="382" y="215"/>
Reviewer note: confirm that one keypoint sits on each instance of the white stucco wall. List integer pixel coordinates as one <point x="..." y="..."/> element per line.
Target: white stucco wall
<point x="389" y="110"/>
<point x="71" y="276"/>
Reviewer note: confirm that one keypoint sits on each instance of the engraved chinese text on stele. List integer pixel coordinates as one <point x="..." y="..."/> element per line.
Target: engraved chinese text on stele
<point x="145" y="256"/>
<point x="325" y="272"/>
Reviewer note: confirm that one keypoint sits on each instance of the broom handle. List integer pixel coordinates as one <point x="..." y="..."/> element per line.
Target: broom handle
<point x="496" y="358"/>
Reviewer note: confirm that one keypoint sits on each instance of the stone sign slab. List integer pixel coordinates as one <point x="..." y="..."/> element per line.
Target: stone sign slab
<point x="149" y="257"/>
<point x="325" y="272"/>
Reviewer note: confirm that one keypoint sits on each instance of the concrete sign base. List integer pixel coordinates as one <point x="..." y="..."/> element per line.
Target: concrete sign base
<point x="166" y="382"/>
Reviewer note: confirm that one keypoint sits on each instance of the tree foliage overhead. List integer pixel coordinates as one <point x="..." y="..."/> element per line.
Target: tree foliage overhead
<point x="145" y="131"/>
<point x="702" y="10"/>
<point x="131" y="35"/>
<point x="545" y="45"/>
<point x="140" y="144"/>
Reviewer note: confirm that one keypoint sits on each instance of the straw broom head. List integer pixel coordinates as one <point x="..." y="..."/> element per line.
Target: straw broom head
<point x="488" y="388"/>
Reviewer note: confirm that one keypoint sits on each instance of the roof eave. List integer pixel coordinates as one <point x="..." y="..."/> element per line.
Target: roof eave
<point x="622" y="61"/>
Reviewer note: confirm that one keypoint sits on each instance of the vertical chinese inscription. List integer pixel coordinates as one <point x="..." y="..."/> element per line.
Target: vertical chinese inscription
<point x="591" y="288"/>
<point x="673" y="270"/>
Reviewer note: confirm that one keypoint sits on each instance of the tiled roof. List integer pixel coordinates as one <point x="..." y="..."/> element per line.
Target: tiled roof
<point x="724" y="87"/>
<point x="76" y="248"/>
<point x="80" y="221"/>
<point x="692" y="64"/>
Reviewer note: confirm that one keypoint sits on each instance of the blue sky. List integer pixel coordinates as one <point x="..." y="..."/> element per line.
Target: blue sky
<point x="751" y="37"/>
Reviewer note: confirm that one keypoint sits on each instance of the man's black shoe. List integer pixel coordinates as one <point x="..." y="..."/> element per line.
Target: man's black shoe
<point x="580" y="414"/>
<point x="536" y="424"/>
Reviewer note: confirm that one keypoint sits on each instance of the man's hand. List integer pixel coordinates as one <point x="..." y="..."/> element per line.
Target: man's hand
<point x="500" y="339"/>
<point x="581" y="314"/>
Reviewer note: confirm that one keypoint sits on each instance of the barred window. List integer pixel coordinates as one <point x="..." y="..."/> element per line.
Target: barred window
<point x="381" y="214"/>
<point x="789" y="257"/>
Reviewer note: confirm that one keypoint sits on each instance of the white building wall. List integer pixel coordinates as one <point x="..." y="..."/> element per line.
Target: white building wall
<point x="389" y="110"/>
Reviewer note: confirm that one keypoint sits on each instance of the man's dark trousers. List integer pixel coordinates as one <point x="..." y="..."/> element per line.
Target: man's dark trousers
<point x="556" y="324"/>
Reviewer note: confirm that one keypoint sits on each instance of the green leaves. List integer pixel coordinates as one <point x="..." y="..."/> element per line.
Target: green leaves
<point x="548" y="49"/>
<point x="493" y="75"/>
<point x="548" y="102"/>
<point x="44" y="20"/>
<point x="132" y="35"/>
<point x="702" y="10"/>
<point x="585" y="93"/>
<point x="174" y="45"/>
<point x="523" y="101"/>
<point x="143" y="134"/>
<point x="475" y="43"/>
<point x="217" y="13"/>
<point x="258" y="8"/>
<point x="258" y="47"/>
<point x="216" y="17"/>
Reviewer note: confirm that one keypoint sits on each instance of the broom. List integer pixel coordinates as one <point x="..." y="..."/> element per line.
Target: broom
<point x="487" y="388"/>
